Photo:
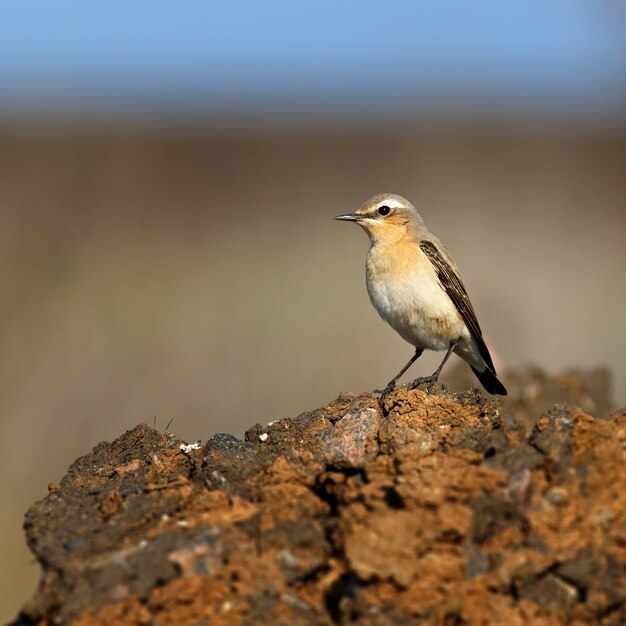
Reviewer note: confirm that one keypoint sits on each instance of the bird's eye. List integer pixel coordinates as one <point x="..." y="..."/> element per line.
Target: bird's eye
<point x="384" y="210"/>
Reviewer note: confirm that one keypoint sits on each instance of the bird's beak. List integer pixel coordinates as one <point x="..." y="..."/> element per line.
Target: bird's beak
<point x="349" y="217"/>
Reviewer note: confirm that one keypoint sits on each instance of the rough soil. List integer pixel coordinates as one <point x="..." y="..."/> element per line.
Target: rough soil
<point x="442" y="509"/>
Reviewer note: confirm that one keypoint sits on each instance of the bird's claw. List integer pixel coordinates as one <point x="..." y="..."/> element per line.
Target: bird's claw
<point x="429" y="380"/>
<point x="383" y="394"/>
<point x="386" y="391"/>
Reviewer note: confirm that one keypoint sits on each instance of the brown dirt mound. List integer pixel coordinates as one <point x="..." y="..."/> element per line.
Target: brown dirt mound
<point x="442" y="509"/>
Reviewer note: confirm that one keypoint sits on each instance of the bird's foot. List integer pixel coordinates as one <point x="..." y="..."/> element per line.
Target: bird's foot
<point x="383" y="394"/>
<point x="386" y="391"/>
<point x="423" y="380"/>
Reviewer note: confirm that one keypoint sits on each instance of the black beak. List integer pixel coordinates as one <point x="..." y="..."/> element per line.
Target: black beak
<point x="349" y="217"/>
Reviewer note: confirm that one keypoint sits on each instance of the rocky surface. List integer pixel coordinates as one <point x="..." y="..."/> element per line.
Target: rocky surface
<point x="440" y="508"/>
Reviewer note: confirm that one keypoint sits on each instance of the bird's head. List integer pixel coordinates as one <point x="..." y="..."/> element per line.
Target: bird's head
<point x="385" y="217"/>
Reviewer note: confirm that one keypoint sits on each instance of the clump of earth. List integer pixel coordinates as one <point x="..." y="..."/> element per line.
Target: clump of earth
<point x="436" y="508"/>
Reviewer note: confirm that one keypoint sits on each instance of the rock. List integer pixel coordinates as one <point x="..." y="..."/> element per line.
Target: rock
<point x="440" y="509"/>
<point x="349" y="441"/>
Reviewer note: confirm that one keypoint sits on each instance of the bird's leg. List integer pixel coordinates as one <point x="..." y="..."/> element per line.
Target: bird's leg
<point x="392" y="383"/>
<point x="435" y="375"/>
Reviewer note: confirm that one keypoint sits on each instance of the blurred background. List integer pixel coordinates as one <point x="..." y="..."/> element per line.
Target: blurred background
<point x="168" y="176"/>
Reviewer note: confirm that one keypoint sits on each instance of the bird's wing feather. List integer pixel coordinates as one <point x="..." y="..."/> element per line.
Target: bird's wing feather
<point x="453" y="286"/>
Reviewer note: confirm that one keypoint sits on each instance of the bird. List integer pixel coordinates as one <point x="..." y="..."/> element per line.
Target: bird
<point x="415" y="286"/>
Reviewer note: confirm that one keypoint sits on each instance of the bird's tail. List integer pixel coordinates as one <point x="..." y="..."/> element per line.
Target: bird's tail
<point x="490" y="381"/>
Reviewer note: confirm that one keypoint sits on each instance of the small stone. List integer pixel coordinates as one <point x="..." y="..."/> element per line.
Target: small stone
<point x="227" y="446"/>
<point x="345" y="443"/>
<point x="557" y="495"/>
<point x="287" y="559"/>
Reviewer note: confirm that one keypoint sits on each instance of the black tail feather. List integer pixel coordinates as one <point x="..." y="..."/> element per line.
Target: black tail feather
<point x="490" y="382"/>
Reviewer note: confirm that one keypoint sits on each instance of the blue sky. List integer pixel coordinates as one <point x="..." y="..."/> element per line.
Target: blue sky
<point x="327" y="58"/>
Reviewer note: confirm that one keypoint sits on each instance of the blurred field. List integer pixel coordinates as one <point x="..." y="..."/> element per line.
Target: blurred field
<point x="199" y="275"/>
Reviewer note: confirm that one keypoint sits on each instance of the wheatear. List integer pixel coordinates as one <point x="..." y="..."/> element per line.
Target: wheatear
<point x="415" y="286"/>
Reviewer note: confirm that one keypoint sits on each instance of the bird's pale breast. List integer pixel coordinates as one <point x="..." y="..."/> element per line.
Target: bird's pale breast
<point x="406" y="292"/>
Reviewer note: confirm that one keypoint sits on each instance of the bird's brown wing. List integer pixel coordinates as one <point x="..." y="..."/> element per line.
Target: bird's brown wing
<point x="455" y="289"/>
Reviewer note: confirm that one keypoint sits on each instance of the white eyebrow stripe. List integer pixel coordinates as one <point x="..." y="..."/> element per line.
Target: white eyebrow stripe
<point x="392" y="203"/>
